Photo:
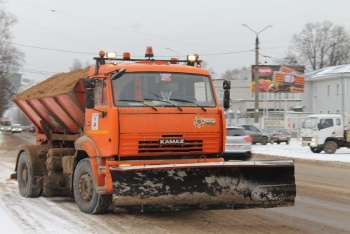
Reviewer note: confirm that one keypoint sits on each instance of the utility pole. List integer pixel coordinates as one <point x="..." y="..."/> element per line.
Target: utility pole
<point x="256" y="72"/>
<point x="256" y="79"/>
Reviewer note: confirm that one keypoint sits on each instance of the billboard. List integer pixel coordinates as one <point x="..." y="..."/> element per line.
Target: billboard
<point x="279" y="79"/>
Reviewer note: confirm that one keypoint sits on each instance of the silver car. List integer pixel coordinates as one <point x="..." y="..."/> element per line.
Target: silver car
<point x="5" y="128"/>
<point x="238" y="144"/>
<point x="16" y="128"/>
<point x="257" y="135"/>
<point x="279" y="135"/>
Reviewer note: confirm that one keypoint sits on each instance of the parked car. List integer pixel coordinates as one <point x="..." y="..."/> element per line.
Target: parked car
<point x="5" y="128"/>
<point x="238" y="144"/>
<point x="279" y="135"/>
<point x="16" y="128"/>
<point x="31" y="129"/>
<point x="257" y="135"/>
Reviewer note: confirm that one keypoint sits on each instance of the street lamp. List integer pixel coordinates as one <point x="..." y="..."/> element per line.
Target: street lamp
<point x="177" y="54"/>
<point x="256" y="76"/>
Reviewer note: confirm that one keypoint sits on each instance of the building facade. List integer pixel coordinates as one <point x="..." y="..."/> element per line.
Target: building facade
<point x="327" y="90"/>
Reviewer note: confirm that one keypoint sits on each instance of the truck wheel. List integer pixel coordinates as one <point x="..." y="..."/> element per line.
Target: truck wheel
<point x="25" y="177"/>
<point x="315" y="150"/>
<point x="330" y="147"/>
<point x="287" y="142"/>
<point x="86" y="197"/>
<point x="264" y="140"/>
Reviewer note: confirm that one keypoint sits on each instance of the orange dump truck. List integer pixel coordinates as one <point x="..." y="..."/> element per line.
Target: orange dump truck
<point x="140" y="135"/>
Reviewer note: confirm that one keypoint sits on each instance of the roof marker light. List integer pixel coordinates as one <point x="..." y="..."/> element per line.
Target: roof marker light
<point x="126" y="55"/>
<point x="111" y="54"/>
<point x="102" y="54"/>
<point x="173" y="60"/>
<point x="149" y="52"/>
<point x="191" y="58"/>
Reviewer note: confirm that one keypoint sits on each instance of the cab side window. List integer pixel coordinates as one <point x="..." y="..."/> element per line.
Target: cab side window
<point x="326" y="123"/>
<point x="338" y="122"/>
<point x="101" y="93"/>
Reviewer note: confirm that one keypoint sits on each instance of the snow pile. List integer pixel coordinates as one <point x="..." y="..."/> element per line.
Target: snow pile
<point x="295" y="150"/>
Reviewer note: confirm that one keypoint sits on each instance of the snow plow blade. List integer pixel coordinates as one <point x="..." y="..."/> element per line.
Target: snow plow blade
<point x="204" y="186"/>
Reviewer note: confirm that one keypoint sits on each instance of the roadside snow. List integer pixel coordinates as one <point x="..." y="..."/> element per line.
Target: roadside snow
<point x="295" y="150"/>
<point x="7" y="225"/>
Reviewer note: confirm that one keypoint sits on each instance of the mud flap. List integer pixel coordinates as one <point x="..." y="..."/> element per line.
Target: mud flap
<point x="228" y="185"/>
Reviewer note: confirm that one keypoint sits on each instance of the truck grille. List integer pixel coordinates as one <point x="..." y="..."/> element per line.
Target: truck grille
<point x="154" y="147"/>
<point x="306" y="138"/>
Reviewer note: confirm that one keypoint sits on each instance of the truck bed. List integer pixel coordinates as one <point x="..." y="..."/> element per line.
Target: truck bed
<point x="56" y="104"/>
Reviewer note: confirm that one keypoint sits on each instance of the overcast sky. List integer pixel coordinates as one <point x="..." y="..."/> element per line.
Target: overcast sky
<point x="53" y="33"/>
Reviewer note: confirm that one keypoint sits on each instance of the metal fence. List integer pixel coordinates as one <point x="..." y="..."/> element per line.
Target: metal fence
<point x="290" y="120"/>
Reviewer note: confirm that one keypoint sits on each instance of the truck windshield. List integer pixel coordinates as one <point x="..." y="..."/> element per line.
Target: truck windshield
<point x="310" y="122"/>
<point x="163" y="89"/>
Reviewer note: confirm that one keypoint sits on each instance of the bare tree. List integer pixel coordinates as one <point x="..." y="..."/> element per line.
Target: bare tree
<point x="289" y="59"/>
<point x="237" y="74"/>
<point x="76" y="65"/>
<point x="10" y="59"/>
<point x="321" y="45"/>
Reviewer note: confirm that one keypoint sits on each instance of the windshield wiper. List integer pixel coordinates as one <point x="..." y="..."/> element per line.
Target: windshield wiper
<point x="161" y="100"/>
<point x="142" y="102"/>
<point x="183" y="100"/>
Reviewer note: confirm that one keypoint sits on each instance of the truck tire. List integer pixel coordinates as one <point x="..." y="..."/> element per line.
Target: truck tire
<point x="25" y="177"/>
<point x="85" y="195"/>
<point x="330" y="147"/>
<point x="315" y="150"/>
<point x="264" y="140"/>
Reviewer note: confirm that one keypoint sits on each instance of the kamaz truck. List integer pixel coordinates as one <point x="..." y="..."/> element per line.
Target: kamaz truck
<point x="140" y="134"/>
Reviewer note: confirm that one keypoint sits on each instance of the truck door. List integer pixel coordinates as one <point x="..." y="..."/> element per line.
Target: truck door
<point x="327" y="129"/>
<point x="97" y="118"/>
<point x="339" y="127"/>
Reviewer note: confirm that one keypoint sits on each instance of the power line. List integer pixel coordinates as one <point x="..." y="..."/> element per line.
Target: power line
<point x="119" y="28"/>
<point x="38" y="72"/>
<point x="23" y="70"/>
<point x="58" y="50"/>
<point x="80" y="52"/>
<point x="62" y="35"/>
<point x="231" y="52"/>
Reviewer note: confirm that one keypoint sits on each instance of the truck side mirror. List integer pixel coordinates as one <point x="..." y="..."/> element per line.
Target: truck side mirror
<point x="90" y="99"/>
<point x="227" y="84"/>
<point x="89" y="83"/>
<point x="227" y="99"/>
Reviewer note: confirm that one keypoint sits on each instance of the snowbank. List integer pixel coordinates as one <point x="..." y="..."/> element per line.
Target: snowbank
<point x="295" y="150"/>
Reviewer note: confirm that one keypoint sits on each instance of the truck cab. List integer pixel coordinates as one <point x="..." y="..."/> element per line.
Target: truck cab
<point x="140" y="110"/>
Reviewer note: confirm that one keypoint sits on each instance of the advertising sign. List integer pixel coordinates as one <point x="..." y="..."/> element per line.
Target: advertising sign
<point x="279" y="79"/>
